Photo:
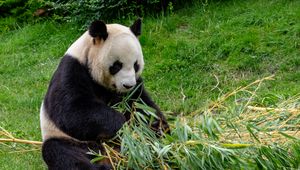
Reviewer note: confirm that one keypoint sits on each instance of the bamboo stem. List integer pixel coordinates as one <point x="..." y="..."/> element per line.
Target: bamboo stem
<point x="108" y="155"/>
<point x="223" y="98"/>
<point x="219" y="101"/>
<point x="21" y="141"/>
<point x="266" y="109"/>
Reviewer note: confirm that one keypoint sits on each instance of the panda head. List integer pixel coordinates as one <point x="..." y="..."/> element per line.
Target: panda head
<point x="112" y="53"/>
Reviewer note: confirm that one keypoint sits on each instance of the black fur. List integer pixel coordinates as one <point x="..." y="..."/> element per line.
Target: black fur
<point x="98" y="30"/>
<point x="81" y="108"/>
<point x="65" y="154"/>
<point x="115" y="68"/>
<point x="78" y="106"/>
<point x="136" y="67"/>
<point x="136" y="27"/>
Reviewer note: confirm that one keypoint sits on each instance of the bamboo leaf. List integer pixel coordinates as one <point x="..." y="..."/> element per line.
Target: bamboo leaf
<point x="96" y="159"/>
<point x="288" y="136"/>
<point x="236" y="145"/>
<point x="164" y="150"/>
<point x="252" y="133"/>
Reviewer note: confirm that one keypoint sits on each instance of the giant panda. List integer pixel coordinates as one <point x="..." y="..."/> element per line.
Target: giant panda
<point x="96" y="72"/>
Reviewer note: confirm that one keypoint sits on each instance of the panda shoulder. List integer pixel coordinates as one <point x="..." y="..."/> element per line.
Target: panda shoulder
<point x="80" y="48"/>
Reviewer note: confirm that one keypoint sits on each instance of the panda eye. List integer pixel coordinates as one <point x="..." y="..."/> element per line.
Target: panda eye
<point x="115" y="68"/>
<point x="136" y="67"/>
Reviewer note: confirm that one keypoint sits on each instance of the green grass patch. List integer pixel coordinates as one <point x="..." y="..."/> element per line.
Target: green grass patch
<point x="192" y="57"/>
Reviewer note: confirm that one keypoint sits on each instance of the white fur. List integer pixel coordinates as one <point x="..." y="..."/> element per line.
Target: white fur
<point x="121" y="44"/>
<point x="48" y="127"/>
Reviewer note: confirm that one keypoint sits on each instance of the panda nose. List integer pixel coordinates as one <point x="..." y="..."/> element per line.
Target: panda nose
<point x="127" y="86"/>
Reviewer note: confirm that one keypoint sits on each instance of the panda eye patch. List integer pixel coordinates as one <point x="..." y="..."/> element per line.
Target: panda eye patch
<point x="115" y="68"/>
<point x="136" y="66"/>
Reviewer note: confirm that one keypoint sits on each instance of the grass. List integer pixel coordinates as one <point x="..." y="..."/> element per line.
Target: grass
<point x="193" y="56"/>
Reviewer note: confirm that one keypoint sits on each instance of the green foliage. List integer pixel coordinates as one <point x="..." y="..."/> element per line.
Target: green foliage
<point x="22" y="10"/>
<point x="191" y="146"/>
<point x="85" y="11"/>
<point x="82" y="11"/>
<point x="8" y="24"/>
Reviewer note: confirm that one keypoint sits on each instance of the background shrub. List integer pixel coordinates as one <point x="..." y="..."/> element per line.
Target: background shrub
<point x="21" y="9"/>
<point x="88" y="10"/>
<point x="85" y="11"/>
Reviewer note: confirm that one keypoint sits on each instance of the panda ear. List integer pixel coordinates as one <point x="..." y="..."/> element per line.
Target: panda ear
<point x="98" y="30"/>
<point x="136" y="27"/>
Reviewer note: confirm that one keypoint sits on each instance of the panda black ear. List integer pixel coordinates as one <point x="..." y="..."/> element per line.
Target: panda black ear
<point x="136" y="27"/>
<point x="98" y="30"/>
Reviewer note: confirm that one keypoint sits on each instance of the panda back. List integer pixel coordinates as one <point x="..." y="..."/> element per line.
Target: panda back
<point x="49" y="129"/>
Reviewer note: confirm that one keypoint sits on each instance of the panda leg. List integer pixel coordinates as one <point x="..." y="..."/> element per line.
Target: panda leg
<point x="64" y="154"/>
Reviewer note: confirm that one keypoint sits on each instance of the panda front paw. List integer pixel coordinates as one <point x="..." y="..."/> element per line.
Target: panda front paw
<point x="160" y="127"/>
<point x="105" y="167"/>
<point x="116" y="122"/>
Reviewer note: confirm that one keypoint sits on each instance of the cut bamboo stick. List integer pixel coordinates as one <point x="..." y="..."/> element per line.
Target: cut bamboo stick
<point x="21" y="141"/>
<point x="267" y="109"/>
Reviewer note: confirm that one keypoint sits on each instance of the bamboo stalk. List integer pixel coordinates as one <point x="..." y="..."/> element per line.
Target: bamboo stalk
<point x="108" y="155"/>
<point x="6" y="133"/>
<point x="267" y="109"/>
<point x="266" y="137"/>
<point x="21" y="141"/>
<point x="218" y="103"/>
<point x="223" y="98"/>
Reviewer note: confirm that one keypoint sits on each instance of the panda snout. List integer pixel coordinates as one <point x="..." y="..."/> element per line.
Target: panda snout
<point x="128" y="86"/>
